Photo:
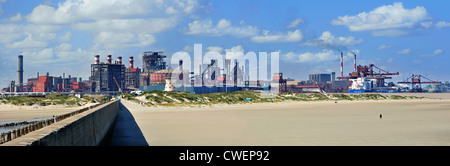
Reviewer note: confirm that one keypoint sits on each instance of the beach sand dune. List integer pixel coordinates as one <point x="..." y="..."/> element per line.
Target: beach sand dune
<point x="347" y="123"/>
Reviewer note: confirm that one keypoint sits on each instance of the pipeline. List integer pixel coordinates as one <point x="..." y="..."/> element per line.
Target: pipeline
<point x="36" y="125"/>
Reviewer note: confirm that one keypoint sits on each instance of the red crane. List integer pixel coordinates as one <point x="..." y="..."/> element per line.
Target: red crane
<point x="416" y="82"/>
<point x="369" y="73"/>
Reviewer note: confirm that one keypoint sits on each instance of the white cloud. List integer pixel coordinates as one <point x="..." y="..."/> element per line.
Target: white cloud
<point x="223" y="23"/>
<point x="171" y="10"/>
<point x="66" y="37"/>
<point x="215" y="49"/>
<point x="44" y="54"/>
<point x="16" y="18"/>
<point x="223" y="27"/>
<point x="328" y="40"/>
<point x="383" y="47"/>
<point x="151" y="25"/>
<point x="75" y="10"/>
<point x="404" y="52"/>
<point x="33" y="36"/>
<point x="426" y="24"/>
<point x="10" y="33"/>
<point x="123" y="39"/>
<point x="386" y="17"/>
<point x="267" y="36"/>
<point x="435" y="52"/>
<point x="33" y="41"/>
<point x="324" y="55"/>
<point x="295" y="22"/>
<point x="237" y="48"/>
<point x="442" y="24"/>
<point x="438" y="51"/>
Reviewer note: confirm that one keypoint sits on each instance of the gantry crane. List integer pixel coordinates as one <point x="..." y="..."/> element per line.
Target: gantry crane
<point x="416" y="82"/>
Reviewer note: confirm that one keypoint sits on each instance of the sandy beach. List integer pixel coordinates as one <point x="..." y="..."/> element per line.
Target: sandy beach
<point x="9" y="112"/>
<point x="347" y="123"/>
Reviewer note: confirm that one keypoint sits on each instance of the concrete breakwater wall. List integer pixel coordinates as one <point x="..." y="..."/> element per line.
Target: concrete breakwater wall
<point x="80" y="128"/>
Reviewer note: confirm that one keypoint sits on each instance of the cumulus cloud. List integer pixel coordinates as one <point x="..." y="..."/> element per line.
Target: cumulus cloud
<point x="328" y="40"/>
<point x="434" y="53"/>
<point x="66" y="37"/>
<point x="442" y="24"/>
<point x="135" y="20"/>
<point x="295" y="22"/>
<point x="151" y="25"/>
<point x="324" y="55"/>
<point x="10" y="33"/>
<point x="33" y="41"/>
<point x="223" y="27"/>
<point x="289" y="36"/>
<point x="124" y="39"/>
<point x="16" y="18"/>
<point x="386" y="17"/>
<point x="383" y="47"/>
<point x="75" y="10"/>
<point x="404" y="52"/>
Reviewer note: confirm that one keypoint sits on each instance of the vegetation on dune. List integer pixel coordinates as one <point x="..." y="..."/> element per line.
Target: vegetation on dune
<point x="52" y="99"/>
<point x="155" y="98"/>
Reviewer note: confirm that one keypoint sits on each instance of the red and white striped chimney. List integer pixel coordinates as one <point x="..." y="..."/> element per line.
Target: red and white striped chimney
<point x="97" y="59"/>
<point x="342" y="65"/>
<point x="131" y="62"/>
<point x="119" y="60"/>
<point x="109" y="59"/>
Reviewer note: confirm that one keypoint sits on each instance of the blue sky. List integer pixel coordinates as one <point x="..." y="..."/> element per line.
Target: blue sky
<point x="410" y="37"/>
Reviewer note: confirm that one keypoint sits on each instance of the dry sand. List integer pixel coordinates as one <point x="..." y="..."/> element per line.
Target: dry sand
<point x="10" y="112"/>
<point x="348" y="123"/>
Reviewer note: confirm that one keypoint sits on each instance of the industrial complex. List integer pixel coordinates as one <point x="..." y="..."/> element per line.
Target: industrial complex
<point x="155" y="74"/>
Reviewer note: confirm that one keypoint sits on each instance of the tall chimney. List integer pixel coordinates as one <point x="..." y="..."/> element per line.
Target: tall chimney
<point x="131" y="62"/>
<point x="354" y="62"/>
<point x="109" y="59"/>
<point x="119" y="60"/>
<point x="97" y="59"/>
<point x="20" y="70"/>
<point x="342" y="65"/>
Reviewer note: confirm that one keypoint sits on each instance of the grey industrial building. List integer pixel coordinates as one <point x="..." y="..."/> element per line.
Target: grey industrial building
<point x="320" y="78"/>
<point x="104" y="76"/>
<point x="152" y="61"/>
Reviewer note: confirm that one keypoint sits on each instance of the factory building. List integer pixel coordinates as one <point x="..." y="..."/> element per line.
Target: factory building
<point x="107" y="76"/>
<point x="152" y="61"/>
<point x="44" y="84"/>
<point x="132" y="76"/>
<point x="320" y="78"/>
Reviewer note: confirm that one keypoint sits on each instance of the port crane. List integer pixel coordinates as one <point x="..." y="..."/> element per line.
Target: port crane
<point x="416" y="82"/>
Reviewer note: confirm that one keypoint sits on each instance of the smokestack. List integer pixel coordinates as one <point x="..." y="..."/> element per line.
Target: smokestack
<point x="97" y="59"/>
<point x="119" y="60"/>
<point x="354" y="62"/>
<point x="342" y="65"/>
<point x="131" y="62"/>
<point x="109" y="59"/>
<point x="20" y="70"/>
